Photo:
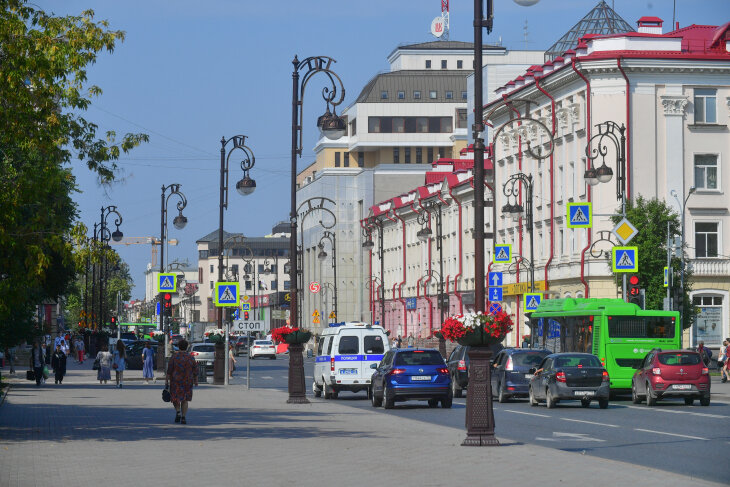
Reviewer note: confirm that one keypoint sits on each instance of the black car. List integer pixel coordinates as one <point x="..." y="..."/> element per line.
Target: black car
<point x="511" y="371"/>
<point x="408" y="374"/>
<point x="241" y="344"/>
<point x="569" y="376"/>
<point x="458" y="365"/>
<point x="134" y="354"/>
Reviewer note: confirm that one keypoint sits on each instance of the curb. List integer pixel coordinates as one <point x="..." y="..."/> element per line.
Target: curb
<point x="2" y="399"/>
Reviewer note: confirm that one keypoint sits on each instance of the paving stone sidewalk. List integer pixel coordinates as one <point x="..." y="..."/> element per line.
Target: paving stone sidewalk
<point x="82" y="434"/>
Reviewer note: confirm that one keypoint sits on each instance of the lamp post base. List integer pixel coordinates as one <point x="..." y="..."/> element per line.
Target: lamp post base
<point x="479" y="412"/>
<point x="297" y="391"/>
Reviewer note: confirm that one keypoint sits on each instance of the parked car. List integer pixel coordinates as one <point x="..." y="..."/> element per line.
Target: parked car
<point x="410" y="374"/>
<point x="241" y="344"/>
<point x="671" y="373"/>
<point x="134" y="354"/>
<point x="511" y="371"/>
<point x="572" y="377"/>
<point x="262" y="348"/>
<point x="203" y="352"/>
<point x="458" y="365"/>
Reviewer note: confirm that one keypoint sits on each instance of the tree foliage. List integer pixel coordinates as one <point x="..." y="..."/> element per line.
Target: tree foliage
<point x="43" y="62"/>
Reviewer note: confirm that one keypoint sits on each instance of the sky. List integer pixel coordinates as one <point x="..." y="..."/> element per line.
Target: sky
<point x="191" y="72"/>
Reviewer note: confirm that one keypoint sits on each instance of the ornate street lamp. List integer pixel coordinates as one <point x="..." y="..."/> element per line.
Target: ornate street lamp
<point x="368" y="245"/>
<point x="424" y="234"/>
<point x="511" y="190"/>
<point x="322" y="255"/>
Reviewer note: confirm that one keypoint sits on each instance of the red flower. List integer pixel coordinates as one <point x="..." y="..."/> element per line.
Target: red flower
<point x="277" y="334"/>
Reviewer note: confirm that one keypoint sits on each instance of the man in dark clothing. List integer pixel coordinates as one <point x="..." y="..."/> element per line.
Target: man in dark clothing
<point x="58" y="362"/>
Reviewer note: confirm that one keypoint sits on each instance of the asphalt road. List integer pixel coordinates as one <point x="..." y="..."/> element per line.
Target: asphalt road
<point x="688" y="440"/>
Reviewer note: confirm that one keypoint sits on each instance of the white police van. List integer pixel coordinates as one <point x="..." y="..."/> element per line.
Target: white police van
<point x="344" y="354"/>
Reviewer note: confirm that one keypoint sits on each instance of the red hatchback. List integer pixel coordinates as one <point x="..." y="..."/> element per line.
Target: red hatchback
<point x="671" y="373"/>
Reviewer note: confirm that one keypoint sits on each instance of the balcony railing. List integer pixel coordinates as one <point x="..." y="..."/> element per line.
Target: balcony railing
<point x="710" y="267"/>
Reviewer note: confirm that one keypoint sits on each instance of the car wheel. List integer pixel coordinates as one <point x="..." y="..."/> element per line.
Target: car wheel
<point x="447" y="401"/>
<point x="327" y="391"/>
<point x="533" y="401"/>
<point x="688" y="401"/>
<point x="501" y="396"/>
<point x="603" y="403"/>
<point x="388" y="399"/>
<point x="375" y="400"/>
<point x="549" y="399"/>
<point x="634" y="396"/>
<point x="433" y="403"/>
<point x="650" y="398"/>
<point x="455" y="390"/>
<point x="585" y="402"/>
<point x="705" y="401"/>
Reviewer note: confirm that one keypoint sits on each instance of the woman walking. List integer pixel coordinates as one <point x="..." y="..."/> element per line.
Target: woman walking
<point x="147" y="367"/>
<point x="181" y="375"/>
<point x="105" y="364"/>
<point x="58" y="362"/>
<point x="120" y="362"/>
<point x="37" y="361"/>
<point x="231" y="361"/>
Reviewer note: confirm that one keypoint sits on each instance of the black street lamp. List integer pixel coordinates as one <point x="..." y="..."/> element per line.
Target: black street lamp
<point x="511" y="190"/>
<point x="682" y="208"/>
<point x="424" y="234"/>
<point x="322" y="255"/>
<point x="375" y="280"/>
<point x="178" y="222"/>
<point x="104" y="235"/>
<point x="368" y="245"/>
<point x="332" y="127"/>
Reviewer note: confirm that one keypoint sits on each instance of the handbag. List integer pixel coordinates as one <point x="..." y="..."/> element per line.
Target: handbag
<point x="115" y="366"/>
<point x="96" y="365"/>
<point x="45" y="372"/>
<point x="166" y="394"/>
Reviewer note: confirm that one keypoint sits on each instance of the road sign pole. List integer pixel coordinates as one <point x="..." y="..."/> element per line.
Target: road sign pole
<point x="248" y="361"/>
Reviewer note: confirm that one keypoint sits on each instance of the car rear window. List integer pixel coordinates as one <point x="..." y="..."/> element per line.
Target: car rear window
<point x="374" y="344"/>
<point x="577" y="361"/>
<point x="416" y="357"/>
<point x="680" y="358"/>
<point x="204" y="348"/>
<point x="349" y="345"/>
<point x="528" y="359"/>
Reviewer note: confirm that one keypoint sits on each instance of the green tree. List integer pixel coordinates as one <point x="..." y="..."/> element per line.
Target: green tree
<point x="650" y="217"/>
<point x="43" y="62"/>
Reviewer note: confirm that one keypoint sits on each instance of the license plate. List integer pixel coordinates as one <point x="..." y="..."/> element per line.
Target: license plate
<point x="682" y="386"/>
<point x="528" y="376"/>
<point x="421" y="377"/>
<point x="348" y="371"/>
<point x="585" y="393"/>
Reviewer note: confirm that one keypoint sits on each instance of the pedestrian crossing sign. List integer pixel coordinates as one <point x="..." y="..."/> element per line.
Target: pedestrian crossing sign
<point x="531" y="301"/>
<point x="502" y="254"/>
<point x="580" y="215"/>
<point x="625" y="259"/>
<point x="166" y="283"/>
<point x="226" y="294"/>
<point x="246" y="306"/>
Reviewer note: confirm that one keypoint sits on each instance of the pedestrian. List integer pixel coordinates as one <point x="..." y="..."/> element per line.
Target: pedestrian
<point x="105" y="364"/>
<point x="705" y="353"/>
<point x="10" y="354"/>
<point x="119" y="363"/>
<point x="58" y="362"/>
<point x="148" y="366"/>
<point x="411" y="341"/>
<point x="65" y="347"/>
<point x="37" y="361"/>
<point x="231" y="360"/>
<point x="722" y="360"/>
<point x="180" y="378"/>
<point x="80" y="349"/>
<point x="399" y="342"/>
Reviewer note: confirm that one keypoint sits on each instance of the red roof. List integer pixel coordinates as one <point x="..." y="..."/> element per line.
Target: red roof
<point x="650" y="19"/>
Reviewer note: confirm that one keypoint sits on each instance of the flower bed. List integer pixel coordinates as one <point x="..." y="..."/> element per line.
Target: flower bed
<point x="286" y="334"/>
<point x="216" y="336"/>
<point x="477" y="329"/>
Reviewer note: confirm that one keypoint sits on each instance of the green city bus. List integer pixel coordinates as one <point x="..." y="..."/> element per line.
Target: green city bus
<point x="620" y="334"/>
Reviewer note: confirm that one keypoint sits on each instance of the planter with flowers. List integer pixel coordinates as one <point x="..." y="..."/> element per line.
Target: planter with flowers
<point x="477" y="329"/>
<point x="295" y="338"/>
<point x="291" y="336"/>
<point x="216" y="336"/>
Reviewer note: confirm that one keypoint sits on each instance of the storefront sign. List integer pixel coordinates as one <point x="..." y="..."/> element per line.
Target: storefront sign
<point x="708" y="327"/>
<point x="522" y="288"/>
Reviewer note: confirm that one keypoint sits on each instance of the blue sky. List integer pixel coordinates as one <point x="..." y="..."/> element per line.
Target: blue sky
<point x="190" y="72"/>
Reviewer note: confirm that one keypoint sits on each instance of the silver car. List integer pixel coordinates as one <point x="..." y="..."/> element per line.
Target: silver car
<point x="203" y="352"/>
<point x="262" y="348"/>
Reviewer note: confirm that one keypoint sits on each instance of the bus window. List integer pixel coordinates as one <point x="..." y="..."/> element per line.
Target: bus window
<point x="578" y="334"/>
<point x="552" y="336"/>
<point x="641" y="327"/>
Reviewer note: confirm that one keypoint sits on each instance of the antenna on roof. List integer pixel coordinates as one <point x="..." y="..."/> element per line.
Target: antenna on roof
<point x="440" y="25"/>
<point x="526" y="33"/>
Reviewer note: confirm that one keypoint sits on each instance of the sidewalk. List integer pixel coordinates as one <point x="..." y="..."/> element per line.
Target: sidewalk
<point x="84" y="433"/>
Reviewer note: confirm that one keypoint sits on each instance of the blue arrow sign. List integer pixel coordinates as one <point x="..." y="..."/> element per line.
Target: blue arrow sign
<point x="495" y="308"/>
<point x="495" y="279"/>
<point x="495" y="294"/>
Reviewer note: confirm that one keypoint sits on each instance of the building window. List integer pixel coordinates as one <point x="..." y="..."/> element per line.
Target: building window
<point x="211" y="284"/>
<point x="422" y="124"/>
<point x="396" y="155"/>
<point x="428" y="64"/>
<point x="273" y="285"/>
<point x="399" y="125"/>
<point x="443" y="64"/>
<point x="705" y="106"/>
<point x="411" y="125"/>
<point x="234" y="269"/>
<point x="461" y="115"/>
<point x="707" y="300"/>
<point x="430" y="154"/>
<point x="211" y="268"/>
<point x="419" y="155"/>
<point x="706" y="239"/>
<point x="360" y="159"/>
<point x="248" y="285"/>
<point x="417" y="95"/>
<point x="445" y="125"/>
<point x="562" y="243"/>
<point x="459" y="64"/>
<point x="706" y="171"/>
<point x="433" y="94"/>
<point x="401" y="95"/>
<point x="407" y="151"/>
<point x="337" y="159"/>
<point x="449" y="95"/>
<point x="347" y="159"/>
<point x="463" y="95"/>
<point x="383" y="95"/>
<point x="200" y="274"/>
<point x="202" y="254"/>
<point x="353" y="127"/>
<point x="286" y="285"/>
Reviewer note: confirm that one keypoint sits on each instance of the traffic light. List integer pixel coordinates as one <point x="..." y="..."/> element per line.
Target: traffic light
<point x="167" y="304"/>
<point x="114" y="321"/>
<point x="245" y="315"/>
<point x="633" y="293"/>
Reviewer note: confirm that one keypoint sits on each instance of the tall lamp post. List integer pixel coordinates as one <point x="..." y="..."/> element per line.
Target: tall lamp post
<point x="375" y="280"/>
<point x="333" y="127"/>
<point x="178" y="222"/>
<point x="424" y="234"/>
<point x="322" y="255"/>
<point x="368" y="245"/>
<point x="511" y="190"/>
<point x="682" y="208"/>
<point x="104" y="236"/>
